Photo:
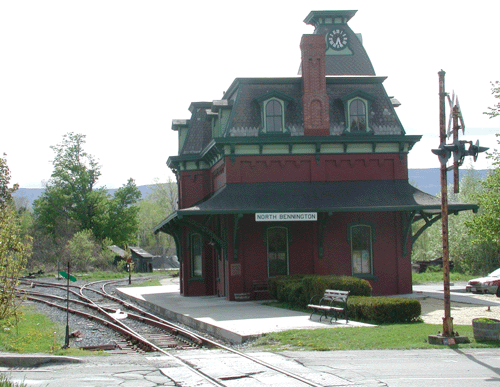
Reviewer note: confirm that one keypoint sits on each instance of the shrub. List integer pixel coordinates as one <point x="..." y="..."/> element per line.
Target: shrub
<point x="299" y="289"/>
<point x="384" y="309"/>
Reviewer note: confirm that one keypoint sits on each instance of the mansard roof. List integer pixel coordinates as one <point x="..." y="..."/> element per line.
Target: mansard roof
<point x="349" y="74"/>
<point x="199" y="133"/>
<point x="246" y="117"/>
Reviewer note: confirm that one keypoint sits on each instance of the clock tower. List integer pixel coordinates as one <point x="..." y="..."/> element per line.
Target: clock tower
<point x="344" y="51"/>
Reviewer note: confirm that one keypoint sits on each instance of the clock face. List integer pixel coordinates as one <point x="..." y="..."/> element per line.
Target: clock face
<point x="337" y="39"/>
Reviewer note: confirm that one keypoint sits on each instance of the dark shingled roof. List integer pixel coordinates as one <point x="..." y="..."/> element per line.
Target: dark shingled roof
<point x="200" y="130"/>
<point x="333" y="196"/>
<point x="246" y="111"/>
<point x="383" y="119"/>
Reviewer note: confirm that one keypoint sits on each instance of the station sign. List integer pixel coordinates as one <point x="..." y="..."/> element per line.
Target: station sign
<point x="286" y="217"/>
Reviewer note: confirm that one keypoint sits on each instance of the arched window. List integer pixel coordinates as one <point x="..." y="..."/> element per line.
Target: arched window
<point x="357" y="115"/>
<point x="274" y="116"/>
<point x="277" y="251"/>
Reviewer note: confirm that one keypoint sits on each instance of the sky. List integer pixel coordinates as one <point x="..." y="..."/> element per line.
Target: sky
<point x="119" y="71"/>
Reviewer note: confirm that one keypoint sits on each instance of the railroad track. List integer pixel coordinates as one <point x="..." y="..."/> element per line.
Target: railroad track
<point x="150" y="334"/>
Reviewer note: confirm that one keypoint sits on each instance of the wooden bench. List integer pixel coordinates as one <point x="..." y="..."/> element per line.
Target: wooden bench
<point x="260" y="287"/>
<point x="333" y="303"/>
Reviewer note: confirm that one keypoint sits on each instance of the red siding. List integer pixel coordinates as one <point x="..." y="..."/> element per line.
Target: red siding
<point x="194" y="187"/>
<point x="286" y="168"/>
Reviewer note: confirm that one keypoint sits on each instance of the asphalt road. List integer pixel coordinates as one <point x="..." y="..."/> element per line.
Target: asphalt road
<point x="395" y="368"/>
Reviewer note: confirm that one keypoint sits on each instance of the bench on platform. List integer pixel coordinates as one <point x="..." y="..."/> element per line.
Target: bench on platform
<point x="260" y="287"/>
<point x="333" y="303"/>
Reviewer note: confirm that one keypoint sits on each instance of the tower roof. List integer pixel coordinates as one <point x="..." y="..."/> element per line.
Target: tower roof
<point x="344" y="51"/>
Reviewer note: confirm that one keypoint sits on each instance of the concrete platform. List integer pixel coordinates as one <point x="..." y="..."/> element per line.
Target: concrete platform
<point x="232" y="321"/>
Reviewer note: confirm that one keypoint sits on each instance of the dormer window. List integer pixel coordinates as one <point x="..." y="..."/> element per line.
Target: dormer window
<point x="273" y="107"/>
<point x="274" y="116"/>
<point x="356" y="107"/>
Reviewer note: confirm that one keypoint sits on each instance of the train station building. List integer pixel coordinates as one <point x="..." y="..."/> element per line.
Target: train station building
<point x="302" y="175"/>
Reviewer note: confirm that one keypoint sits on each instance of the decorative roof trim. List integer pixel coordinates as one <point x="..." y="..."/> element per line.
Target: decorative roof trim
<point x="274" y="94"/>
<point x="358" y="94"/>
<point x="312" y="18"/>
<point x="179" y="124"/>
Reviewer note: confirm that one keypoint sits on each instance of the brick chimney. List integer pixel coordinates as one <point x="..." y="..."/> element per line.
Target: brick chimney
<point x="315" y="100"/>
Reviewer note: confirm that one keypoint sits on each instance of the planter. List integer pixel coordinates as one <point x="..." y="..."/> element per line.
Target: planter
<point x="486" y="331"/>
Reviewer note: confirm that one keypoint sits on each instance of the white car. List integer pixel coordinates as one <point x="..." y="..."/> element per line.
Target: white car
<point x="486" y="285"/>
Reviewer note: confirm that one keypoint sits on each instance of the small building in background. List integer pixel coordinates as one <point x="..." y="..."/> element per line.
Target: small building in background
<point x="143" y="260"/>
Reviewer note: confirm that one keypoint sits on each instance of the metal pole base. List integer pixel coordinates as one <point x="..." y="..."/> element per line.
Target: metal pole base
<point x="448" y="340"/>
<point x="66" y="341"/>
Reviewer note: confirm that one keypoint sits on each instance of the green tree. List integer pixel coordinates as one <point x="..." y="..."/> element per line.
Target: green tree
<point x="14" y="249"/>
<point x="71" y="199"/>
<point x="156" y="206"/>
<point x="495" y="90"/>
<point x="485" y="227"/>
<point x="72" y="202"/>
<point x="87" y="253"/>
<point x="468" y="255"/>
<point x="70" y="194"/>
<point x="122" y="212"/>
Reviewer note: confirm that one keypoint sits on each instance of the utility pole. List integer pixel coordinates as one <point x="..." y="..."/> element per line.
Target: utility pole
<point x="457" y="148"/>
<point x="447" y="319"/>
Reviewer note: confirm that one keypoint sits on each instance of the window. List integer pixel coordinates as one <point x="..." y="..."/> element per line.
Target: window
<point x="361" y="240"/>
<point x="357" y="115"/>
<point x="358" y="109"/>
<point x="274" y="116"/>
<point x="277" y="251"/>
<point x="273" y="107"/>
<point x="196" y="261"/>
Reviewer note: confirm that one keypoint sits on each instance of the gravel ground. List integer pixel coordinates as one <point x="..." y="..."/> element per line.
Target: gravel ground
<point x="433" y="310"/>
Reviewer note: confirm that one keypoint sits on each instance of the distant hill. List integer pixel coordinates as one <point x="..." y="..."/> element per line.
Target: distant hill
<point x="427" y="180"/>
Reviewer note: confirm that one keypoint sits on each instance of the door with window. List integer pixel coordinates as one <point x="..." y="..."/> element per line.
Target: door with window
<point x="277" y="251"/>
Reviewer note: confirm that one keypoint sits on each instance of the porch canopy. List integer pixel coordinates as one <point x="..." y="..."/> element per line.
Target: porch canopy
<point x="329" y="197"/>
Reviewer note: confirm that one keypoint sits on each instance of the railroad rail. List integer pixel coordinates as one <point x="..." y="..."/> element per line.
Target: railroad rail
<point x="139" y="341"/>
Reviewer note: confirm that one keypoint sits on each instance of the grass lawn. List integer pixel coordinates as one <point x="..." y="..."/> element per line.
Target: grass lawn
<point x="437" y="277"/>
<point x="33" y="333"/>
<point x="391" y="336"/>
